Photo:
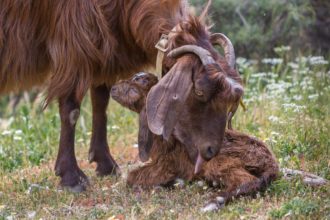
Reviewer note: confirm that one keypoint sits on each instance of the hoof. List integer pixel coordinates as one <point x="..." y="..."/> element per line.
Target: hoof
<point x="107" y="167"/>
<point x="77" y="188"/>
<point x="215" y="205"/>
<point x="75" y="181"/>
<point x="113" y="172"/>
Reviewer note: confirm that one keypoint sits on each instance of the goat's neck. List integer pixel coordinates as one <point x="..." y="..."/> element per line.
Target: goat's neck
<point x="150" y="19"/>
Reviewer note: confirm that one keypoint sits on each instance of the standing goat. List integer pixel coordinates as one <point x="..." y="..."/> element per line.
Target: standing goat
<point x="243" y="166"/>
<point x="75" y="45"/>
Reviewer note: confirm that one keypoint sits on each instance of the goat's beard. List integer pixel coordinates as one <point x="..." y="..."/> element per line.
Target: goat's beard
<point x="199" y="163"/>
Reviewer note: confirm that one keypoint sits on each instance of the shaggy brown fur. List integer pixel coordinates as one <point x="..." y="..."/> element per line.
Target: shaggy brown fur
<point x="75" y="45"/>
<point x="79" y="43"/>
<point x="243" y="166"/>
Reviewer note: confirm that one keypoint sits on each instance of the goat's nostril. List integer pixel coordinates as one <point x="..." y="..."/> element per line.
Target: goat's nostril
<point x="210" y="151"/>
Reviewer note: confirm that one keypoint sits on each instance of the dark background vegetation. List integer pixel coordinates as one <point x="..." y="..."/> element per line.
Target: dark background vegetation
<point x="256" y="27"/>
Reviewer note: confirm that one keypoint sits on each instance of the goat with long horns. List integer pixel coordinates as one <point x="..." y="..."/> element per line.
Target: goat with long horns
<point x="243" y="166"/>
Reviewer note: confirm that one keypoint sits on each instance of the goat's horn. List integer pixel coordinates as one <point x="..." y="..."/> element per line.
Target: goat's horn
<point x="227" y="46"/>
<point x="203" y="54"/>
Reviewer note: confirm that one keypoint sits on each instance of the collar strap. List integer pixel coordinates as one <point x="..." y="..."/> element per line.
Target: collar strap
<point x="162" y="48"/>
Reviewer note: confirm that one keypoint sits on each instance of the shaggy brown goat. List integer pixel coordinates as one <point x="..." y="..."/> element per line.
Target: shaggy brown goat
<point x="76" y="45"/>
<point x="243" y="166"/>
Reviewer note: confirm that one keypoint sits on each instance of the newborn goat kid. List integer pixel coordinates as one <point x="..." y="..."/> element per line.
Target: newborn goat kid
<point x="243" y="166"/>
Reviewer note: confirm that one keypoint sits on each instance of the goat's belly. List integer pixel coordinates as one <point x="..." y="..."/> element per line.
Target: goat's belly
<point x="22" y="82"/>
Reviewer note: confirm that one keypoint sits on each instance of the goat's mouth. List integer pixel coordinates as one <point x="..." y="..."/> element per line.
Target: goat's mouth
<point x="199" y="163"/>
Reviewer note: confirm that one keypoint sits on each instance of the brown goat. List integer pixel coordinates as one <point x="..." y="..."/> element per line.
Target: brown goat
<point x="243" y="166"/>
<point x="76" y="45"/>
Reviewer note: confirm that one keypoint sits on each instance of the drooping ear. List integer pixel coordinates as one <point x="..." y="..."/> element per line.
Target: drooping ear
<point x="166" y="99"/>
<point x="144" y="137"/>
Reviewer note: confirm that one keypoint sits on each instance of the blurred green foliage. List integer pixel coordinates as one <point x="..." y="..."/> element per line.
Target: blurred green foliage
<point x="257" y="26"/>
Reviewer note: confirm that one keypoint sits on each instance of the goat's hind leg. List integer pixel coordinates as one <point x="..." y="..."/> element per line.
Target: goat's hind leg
<point x="99" y="150"/>
<point x="237" y="182"/>
<point x="66" y="165"/>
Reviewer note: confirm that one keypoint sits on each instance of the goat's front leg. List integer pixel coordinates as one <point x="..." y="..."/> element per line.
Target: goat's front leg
<point x="151" y="175"/>
<point x="66" y="165"/>
<point x="99" y="149"/>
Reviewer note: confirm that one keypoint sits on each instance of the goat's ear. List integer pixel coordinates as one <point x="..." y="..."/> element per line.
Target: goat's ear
<point x="166" y="99"/>
<point x="145" y="137"/>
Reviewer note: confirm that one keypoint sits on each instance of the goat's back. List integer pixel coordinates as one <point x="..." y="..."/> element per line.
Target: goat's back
<point x="246" y="152"/>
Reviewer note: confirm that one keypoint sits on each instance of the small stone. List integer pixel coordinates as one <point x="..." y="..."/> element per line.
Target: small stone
<point x="179" y="183"/>
<point x="102" y="207"/>
<point x="220" y="199"/>
<point x="210" y="207"/>
<point x="31" y="214"/>
<point x="215" y="184"/>
<point x="34" y="188"/>
<point x="200" y="183"/>
<point x="10" y="218"/>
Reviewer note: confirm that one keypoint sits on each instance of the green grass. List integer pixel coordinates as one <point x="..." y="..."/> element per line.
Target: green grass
<point x="288" y="108"/>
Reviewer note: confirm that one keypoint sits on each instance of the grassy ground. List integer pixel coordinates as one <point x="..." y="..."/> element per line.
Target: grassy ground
<point x="288" y="107"/>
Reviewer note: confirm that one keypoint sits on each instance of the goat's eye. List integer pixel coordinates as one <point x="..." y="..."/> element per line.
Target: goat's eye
<point x="133" y="92"/>
<point x="199" y="92"/>
<point x="144" y="82"/>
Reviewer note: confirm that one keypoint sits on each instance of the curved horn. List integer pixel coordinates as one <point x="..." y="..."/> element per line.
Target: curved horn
<point x="203" y="54"/>
<point x="227" y="46"/>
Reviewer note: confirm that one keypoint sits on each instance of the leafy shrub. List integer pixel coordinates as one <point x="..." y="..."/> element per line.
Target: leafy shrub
<point x="256" y="27"/>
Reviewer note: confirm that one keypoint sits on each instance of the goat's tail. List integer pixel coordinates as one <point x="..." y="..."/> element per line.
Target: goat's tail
<point x="252" y="187"/>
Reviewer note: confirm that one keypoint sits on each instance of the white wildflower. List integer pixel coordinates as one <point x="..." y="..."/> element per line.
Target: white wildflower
<point x="17" y="138"/>
<point x="313" y="96"/>
<point x="273" y="118"/>
<point x="273" y="133"/>
<point x="258" y="75"/>
<point x="80" y="140"/>
<point x="18" y="132"/>
<point x="6" y="132"/>
<point x="318" y="60"/>
<point x="272" y="61"/>
<point x="282" y="49"/>
<point x="293" y="65"/>
<point x="297" y="97"/>
<point x="293" y="107"/>
<point x="241" y="60"/>
<point x="115" y="127"/>
<point x="279" y="88"/>
<point x="301" y="59"/>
